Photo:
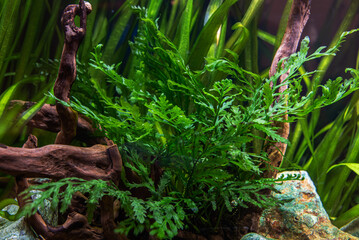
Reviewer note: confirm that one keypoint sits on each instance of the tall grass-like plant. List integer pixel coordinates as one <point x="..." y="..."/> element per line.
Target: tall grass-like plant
<point x="317" y="150"/>
<point x="199" y="133"/>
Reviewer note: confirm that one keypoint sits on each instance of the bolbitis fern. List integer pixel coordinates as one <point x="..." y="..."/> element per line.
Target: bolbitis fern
<point x="199" y="133"/>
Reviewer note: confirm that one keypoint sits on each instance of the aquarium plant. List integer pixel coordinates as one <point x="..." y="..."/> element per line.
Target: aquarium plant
<point x="186" y="129"/>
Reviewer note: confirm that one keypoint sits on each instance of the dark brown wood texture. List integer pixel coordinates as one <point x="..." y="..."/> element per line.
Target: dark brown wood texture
<point x="60" y="161"/>
<point x="75" y="227"/>
<point x="298" y="17"/>
<point x="67" y="70"/>
<point x="47" y="119"/>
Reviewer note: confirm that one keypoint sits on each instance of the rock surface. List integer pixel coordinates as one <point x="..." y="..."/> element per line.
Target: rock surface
<point x="352" y="227"/>
<point x="301" y="216"/>
<point x="19" y="230"/>
<point x="254" y="236"/>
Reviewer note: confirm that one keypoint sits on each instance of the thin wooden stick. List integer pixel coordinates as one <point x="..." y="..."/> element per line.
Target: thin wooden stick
<point x="298" y="18"/>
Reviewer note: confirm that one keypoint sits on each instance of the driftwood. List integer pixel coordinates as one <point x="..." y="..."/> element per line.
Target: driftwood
<point x="67" y="70"/>
<point x="298" y="18"/>
<point x="75" y="227"/>
<point x="47" y="119"/>
<point x="61" y="161"/>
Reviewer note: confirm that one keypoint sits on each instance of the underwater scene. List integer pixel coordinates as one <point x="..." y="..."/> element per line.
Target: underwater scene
<point x="179" y="119"/>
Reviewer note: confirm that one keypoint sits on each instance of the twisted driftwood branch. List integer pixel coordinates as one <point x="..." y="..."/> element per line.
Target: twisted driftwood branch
<point x="75" y="227"/>
<point x="59" y="161"/>
<point x="47" y="119"/>
<point x="62" y="161"/>
<point x="298" y="17"/>
<point x="67" y="70"/>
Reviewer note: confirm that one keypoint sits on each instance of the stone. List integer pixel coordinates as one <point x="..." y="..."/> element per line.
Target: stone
<point x="254" y="236"/>
<point x="14" y="230"/>
<point x="47" y="213"/>
<point x="352" y="227"/>
<point x="19" y="230"/>
<point x="300" y="216"/>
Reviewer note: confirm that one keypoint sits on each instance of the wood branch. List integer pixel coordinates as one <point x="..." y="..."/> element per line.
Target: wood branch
<point x="47" y="119"/>
<point x="35" y="221"/>
<point x="61" y="161"/>
<point x="67" y="70"/>
<point x="107" y="219"/>
<point x="76" y="225"/>
<point x="107" y="202"/>
<point x="298" y="17"/>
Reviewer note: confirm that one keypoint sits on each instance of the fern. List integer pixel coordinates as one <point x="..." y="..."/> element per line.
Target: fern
<point x="200" y="134"/>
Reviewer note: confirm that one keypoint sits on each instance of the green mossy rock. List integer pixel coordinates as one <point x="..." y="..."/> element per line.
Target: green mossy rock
<point x="254" y="236"/>
<point x="301" y="216"/>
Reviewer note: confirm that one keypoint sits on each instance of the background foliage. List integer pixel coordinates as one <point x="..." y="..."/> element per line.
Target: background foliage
<point x="30" y="35"/>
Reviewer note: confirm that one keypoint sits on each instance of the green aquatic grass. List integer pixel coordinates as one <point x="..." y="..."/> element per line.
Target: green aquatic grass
<point x="185" y="31"/>
<point x="207" y="35"/>
<point x="9" y="15"/>
<point x="236" y="42"/>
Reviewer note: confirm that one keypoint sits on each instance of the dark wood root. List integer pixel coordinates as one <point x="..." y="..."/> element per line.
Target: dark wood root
<point x="47" y="119"/>
<point x="62" y="161"/>
<point x="298" y="17"/>
<point x="75" y="227"/>
<point x="59" y="161"/>
<point x="36" y="221"/>
<point x="68" y="119"/>
<point x="67" y="70"/>
<point x="107" y="219"/>
<point x="107" y="202"/>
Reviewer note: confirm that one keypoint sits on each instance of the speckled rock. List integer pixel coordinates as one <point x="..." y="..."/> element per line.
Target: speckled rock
<point x="352" y="227"/>
<point x="47" y="213"/>
<point x="19" y="230"/>
<point x="301" y="216"/>
<point x="254" y="236"/>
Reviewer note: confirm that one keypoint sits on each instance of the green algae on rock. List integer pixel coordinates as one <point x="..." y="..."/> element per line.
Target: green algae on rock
<point x="301" y="214"/>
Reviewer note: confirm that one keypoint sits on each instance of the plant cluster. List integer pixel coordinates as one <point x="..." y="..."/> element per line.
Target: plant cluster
<point x="192" y="26"/>
<point x="198" y="133"/>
